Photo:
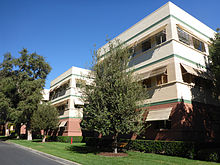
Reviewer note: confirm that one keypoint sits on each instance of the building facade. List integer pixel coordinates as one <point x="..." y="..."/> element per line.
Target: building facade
<point x="66" y="96"/>
<point x="170" y="57"/>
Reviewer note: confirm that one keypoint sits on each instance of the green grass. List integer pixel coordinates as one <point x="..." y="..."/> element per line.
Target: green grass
<point x="82" y="154"/>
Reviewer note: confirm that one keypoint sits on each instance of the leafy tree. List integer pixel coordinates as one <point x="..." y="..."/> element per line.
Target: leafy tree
<point x="45" y="118"/>
<point x="115" y="96"/>
<point x="8" y="94"/>
<point x="214" y="55"/>
<point x="32" y="71"/>
<point x="26" y="78"/>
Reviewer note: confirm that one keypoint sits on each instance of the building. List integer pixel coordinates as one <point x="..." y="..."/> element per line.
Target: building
<point x="66" y="96"/>
<point x="170" y="57"/>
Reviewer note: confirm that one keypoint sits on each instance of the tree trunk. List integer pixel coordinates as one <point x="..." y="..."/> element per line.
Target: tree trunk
<point x="45" y="136"/>
<point x="18" y="130"/>
<point x="44" y="139"/>
<point x="6" y="129"/>
<point x="29" y="132"/>
<point x="115" y="143"/>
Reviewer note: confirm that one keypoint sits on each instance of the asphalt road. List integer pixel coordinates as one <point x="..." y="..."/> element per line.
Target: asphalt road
<point x="11" y="154"/>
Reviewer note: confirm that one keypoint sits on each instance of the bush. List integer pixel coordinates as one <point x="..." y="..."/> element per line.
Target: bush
<point x="67" y="139"/>
<point x="172" y="148"/>
<point x="209" y="155"/>
<point x="100" y="142"/>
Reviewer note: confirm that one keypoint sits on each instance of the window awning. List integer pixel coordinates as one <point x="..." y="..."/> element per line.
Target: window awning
<point x="195" y="72"/>
<point x="63" y="123"/>
<point x="64" y="82"/>
<point x="144" y="75"/>
<point x="158" y="71"/>
<point x="152" y="73"/>
<point x="159" y="114"/>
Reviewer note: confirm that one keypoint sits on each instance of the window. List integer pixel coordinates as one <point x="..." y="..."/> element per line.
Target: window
<point x="147" y="83"/>
<point x="183" y="36"/>
<point x="161" y="79"/>
<point x="146" y="45"/>
<point x="190" y="40"/>
<point x="162" y="124"/>
<point x="160" y="37"/>
<point x="61" y="109"/>
<point x="198" y="44"/>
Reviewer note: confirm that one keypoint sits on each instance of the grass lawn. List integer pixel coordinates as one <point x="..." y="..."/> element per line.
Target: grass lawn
<point x="82" y="154"/>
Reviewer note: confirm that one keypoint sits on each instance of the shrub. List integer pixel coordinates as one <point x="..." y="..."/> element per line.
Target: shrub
<point x="67" y="139"/>
<point x="90" y="141"/>
<point x="209" y="155"/>
<point x="173" y="148"/>
<point x="192" y="150"/>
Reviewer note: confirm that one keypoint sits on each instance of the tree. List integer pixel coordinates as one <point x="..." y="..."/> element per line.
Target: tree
<point x="45" y="118"/>
<point x="214" y="56"/>
<point x="32" y="72"/>
<point x="27" y="76"/>
<point x="115" y="96"/>
<point x="8" y="94"/>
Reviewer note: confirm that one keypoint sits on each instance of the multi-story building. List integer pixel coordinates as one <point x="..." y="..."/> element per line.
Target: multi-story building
<point x="170" y="58"/>
<point x="66" y="96"/>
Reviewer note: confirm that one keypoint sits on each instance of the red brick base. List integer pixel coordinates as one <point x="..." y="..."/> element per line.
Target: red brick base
<point x="71" y="129"/>
<point x="189" y="122"/>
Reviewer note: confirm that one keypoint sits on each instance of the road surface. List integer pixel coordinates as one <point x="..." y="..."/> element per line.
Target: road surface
<point x="11" y="154"/>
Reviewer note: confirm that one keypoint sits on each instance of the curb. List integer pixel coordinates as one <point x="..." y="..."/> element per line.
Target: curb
<point x="48" y="156"/>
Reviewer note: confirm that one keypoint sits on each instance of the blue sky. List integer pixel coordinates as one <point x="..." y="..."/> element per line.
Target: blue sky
<point x="65" y="31"/>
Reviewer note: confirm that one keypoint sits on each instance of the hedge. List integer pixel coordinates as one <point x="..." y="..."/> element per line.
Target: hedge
<point x="66" y="139"/>
<point x="194" y="150"/>
<point x="172" y="148"/>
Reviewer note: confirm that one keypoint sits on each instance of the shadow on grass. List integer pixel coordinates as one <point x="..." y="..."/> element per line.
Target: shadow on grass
<point x="37" y="140"/>
<point x="87" y="149"/>
<point x="5" y="138"/>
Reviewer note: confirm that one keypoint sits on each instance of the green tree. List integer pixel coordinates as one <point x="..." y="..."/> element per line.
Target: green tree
<point x="8" y="94"/>
<point x="114" y="97"/>
<point x="26" y="78"/>
<point x="214" y="56"/>
<point x="32" y="70"/>
<point x="45" y="118"/>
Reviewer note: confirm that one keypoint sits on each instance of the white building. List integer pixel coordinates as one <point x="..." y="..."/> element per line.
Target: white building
<point x="170" y="55"/>
<point x="66" y="96"/>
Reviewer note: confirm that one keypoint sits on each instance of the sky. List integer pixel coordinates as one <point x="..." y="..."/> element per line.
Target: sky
<point x="66" y="32"/>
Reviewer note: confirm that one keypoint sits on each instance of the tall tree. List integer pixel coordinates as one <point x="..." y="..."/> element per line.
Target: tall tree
<point x="22" y="80"/>
<point x="8" y="94"/>
<point x="214" y="55"/>
<point x="115" y="96"/>
<point x="32" y="70"/>
<point x="45" y="118"/>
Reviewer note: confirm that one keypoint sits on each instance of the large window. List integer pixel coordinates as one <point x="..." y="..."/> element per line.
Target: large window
<point x="183" y="36"/>
<point x="161" y="79"/>
<point x="146" y="45"/>
<point x="160" y="37"/>
<point x="59" y="91"/>
<point x="190" y="40"/>
<point x="163" y="124"/>
<point x="198" y="44"/>
<point x="147" y="83"/>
